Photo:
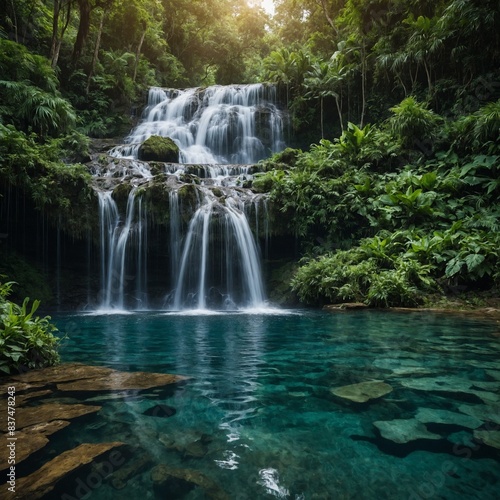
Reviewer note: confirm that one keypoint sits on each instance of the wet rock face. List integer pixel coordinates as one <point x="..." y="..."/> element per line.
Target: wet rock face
<point x="158" y="148"/>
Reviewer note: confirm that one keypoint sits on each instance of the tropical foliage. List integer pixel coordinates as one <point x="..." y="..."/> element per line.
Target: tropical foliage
<point x="26" y="341"/>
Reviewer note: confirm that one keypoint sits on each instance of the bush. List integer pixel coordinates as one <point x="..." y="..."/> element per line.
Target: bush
<point x="26" y="341"/>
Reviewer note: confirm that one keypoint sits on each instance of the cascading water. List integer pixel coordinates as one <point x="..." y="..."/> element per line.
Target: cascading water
<point x="211" y="256"/>
<point x="217" y="125"/>
<point x="116" y="262"/>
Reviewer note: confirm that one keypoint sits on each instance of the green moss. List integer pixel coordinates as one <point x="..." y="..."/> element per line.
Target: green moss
<point x="158" y="148"/>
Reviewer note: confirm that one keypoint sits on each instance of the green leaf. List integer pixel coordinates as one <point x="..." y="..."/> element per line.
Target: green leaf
<point x="473" y="260"/>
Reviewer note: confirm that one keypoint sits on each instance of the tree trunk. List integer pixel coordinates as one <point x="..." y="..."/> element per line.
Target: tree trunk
<point x="95" y="55"/>
<point x="327" y="16"/>
<point x="138" y="53"/>
<point x="321" y="108"/>
<point x="339" y="111"/>
<point x="56" y="42"/>
<point x="363" y="84"/>
<point x="83" y="29"/>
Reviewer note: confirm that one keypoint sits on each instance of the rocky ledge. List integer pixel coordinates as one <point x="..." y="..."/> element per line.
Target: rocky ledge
<point x="48" y="401"/>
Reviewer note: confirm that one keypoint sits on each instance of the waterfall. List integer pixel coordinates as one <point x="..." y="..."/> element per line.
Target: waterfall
<point x="237" y="124"/>
<point x="206" y="255"/>
<point x="116" y="241"/>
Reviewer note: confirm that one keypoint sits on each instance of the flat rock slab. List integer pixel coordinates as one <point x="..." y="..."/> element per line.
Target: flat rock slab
<point x="490" y="438"/>
<point x="363" y="392"/>
<point x="404" y="430"/>
<point x="436" y="416"/>
<point x="31" y="415"/>
<point x="121" y="381"/>
<point x="451" y="384"/>
<point x="78" y="377"/>
<point x="32" y="439"/>
<point x="486" y="413"/>
<point x="41" y="482"/>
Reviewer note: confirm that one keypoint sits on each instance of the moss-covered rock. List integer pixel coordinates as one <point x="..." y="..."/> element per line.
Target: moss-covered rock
<point x="158" y="148"/>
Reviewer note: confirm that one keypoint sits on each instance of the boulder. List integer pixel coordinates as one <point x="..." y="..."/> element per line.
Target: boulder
<point x="158" y="148"/>
<point x="363" y="392"/>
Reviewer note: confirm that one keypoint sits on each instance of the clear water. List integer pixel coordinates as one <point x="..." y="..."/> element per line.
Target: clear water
<point x="261" y="390"/>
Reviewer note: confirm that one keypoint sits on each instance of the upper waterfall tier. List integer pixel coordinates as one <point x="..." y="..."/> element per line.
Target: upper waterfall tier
<point x="236" y="124"/>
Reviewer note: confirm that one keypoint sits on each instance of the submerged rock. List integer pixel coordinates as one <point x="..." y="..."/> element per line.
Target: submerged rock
<point x="490" y="438"/>
<point x="42" y="482"/>
<point x="486" y="413"/>
<point x="404" y="430"/>
<point x="174" y="483"/>
<point x="32" y="439"/>
<point x="451" y="384"/>
<point x="162" y="411"/>
<point x="437" y="416"/>
<point x="363" y="392"/>
<point x="120" y="478"/>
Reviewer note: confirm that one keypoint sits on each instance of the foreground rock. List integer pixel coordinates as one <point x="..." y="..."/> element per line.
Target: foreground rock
<point x="363" y="392"/>
<point x="48" y="412"/>
<point x="32" y="439"/>
<point x="31" y="415"/>
<point x="44" y="480"/>
<point x="403" y="431"/>
<point x="82" y="378"/>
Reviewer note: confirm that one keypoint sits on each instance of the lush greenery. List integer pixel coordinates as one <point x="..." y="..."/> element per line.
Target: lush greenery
<point x="387" y="223"/>
<point x="395" y="200"/>
<point x="26" y="341"/>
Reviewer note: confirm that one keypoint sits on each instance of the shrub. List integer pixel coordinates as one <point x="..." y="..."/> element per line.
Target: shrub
<point x="26" y="340"/>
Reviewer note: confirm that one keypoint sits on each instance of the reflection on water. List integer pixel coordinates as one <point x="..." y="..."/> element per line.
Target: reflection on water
<point x="258" y="415"/>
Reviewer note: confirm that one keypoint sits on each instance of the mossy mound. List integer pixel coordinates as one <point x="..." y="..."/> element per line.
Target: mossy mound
<point x="158" y="148"/>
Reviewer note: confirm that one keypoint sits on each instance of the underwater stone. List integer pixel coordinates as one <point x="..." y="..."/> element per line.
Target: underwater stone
<point x="486" y="413"/>
<point x="437" y="416"/>
<point x="157" y="148"/>
<point x="162" y="411"/>
<point x="120" y="478"/>
<point x="32" y="439"/>
<point x="173" y="483"/>
<point x="42" y="482"/>
<point x="490" y="438"/>
<point x="450" y="384"/>
<point x="364" y="391"/>
<point x="404" y="430"/>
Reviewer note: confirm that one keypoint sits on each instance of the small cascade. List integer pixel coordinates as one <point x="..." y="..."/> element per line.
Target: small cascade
<point x="217" y="125"/>
<point x="205" y="255"/>
<point x="117" y="238"/>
